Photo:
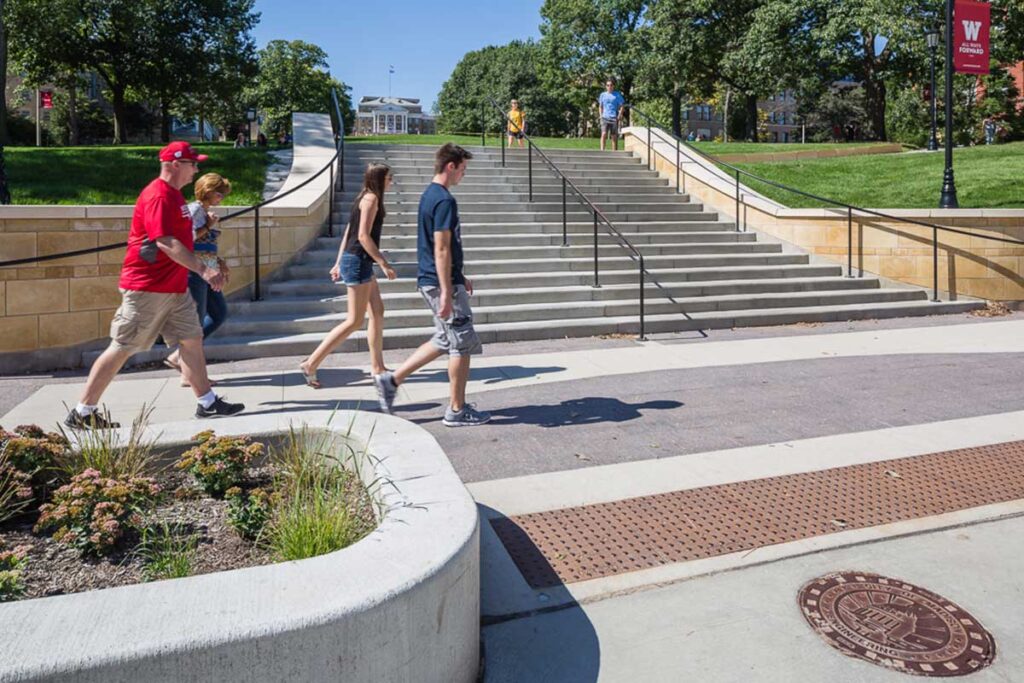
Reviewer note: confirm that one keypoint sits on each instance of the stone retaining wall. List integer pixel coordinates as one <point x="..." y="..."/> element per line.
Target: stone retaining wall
<point x="54" y="309"/>
<point x="968" y="266"/>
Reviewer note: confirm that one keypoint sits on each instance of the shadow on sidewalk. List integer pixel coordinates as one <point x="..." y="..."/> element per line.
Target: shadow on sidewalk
<point x="494" y="375"/>
<point x="577" y="411"/>
<point x="553" y="643"/>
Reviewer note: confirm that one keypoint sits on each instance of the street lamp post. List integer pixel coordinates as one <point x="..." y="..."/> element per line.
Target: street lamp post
<point x="932" y="36"/>
<point x="948" y="198"/>
<point x="251" y="115"/>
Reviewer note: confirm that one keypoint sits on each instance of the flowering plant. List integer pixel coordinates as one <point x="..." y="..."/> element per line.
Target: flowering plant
<point x="219" y="462"/>
<point x="92" y="512"/>
<point x="248" y="512"/>
<point x="34" y="452"/>
<point x="12" y="563"/>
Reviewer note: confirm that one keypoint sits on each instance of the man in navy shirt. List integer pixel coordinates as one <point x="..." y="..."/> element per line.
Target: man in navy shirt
<point x="609" y="106"/>
<point x="446" y="291"/>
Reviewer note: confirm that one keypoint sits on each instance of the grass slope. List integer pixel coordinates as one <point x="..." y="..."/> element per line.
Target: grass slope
<point x="986" y="177"/>
<point x="116" y="175"/>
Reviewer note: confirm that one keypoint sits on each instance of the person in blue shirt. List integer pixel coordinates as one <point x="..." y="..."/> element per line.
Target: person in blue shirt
<point x="609" y="107"/>
<point x="446" y="291"/>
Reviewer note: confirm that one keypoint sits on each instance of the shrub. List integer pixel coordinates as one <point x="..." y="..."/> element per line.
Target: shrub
<point x="218" y="463"/>
<point x="12" y="564"/>
<point x="248" y="513"/>
<point x="92" y="512"/>
<point x="167" y="553"/>
<point x="35" y="453"/>
<point x="104" y="451"/>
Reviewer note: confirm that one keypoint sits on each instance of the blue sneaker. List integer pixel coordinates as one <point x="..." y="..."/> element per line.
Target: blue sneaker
<point x="386" y="391"/>
<point x="469" y="416"/>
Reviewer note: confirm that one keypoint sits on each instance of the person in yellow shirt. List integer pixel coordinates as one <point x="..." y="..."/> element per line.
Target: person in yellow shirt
<point x="516" y="124"/>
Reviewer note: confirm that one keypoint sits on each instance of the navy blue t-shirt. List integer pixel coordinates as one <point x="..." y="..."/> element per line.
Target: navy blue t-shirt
<point x="438" y="213"/>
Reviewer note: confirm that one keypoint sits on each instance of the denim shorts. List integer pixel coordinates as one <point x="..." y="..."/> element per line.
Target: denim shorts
<point x="355" y="269"/>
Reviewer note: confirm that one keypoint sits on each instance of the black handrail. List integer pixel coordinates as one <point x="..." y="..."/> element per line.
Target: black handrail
<point x="738" y="172"/>
<point x="339" y="156"/>
<point x="599" y="215"/>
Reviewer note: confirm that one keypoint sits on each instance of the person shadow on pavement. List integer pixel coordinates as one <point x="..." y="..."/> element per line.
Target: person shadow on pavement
<point x="577" y="411"/>
<point x="494" y="375"/>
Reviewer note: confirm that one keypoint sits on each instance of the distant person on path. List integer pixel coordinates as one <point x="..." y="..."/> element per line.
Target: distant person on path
<point x="990" y="130"/>
<point x="154" y="289"/>
<point x="211" y="305"/>
<point x="446" y="291"/>
<point x="239" y="140"/>
<point x="360" y="248"/>
<point x="516" y="124"/>
<point x="609" y="106"/>
<point x="261" y="140"/>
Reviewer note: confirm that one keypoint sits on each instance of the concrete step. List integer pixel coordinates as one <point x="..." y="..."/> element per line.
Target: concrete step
<point x="501" y="206"/>
<point x="478" y="173"/>
<point x="693" y="222"/>
<point x="477" y="255"/>
<point x="522" y="164"/>
<point x="232" y="348"/>
<point x="409" y="298"/>
<point x="283" y="324"/>
<point x="320" y="286"/>
<point x="656" y="195"/>
<point x="583" y="263"/>
<point x="408" y="241"/>
<point x="521" y="217"/>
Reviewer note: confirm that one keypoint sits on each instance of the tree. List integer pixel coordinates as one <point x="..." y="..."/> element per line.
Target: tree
<point x="502" y="72"/>
<point x="3" y="68"/>
<point x="293" y="76"/>
<point x="586" y="41"/>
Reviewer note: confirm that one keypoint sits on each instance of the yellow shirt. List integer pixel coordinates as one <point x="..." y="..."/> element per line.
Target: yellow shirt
<point x="516" y="118"/>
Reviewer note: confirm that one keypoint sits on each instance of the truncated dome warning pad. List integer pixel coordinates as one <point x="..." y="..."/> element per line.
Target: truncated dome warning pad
<point x="896" y="624"/>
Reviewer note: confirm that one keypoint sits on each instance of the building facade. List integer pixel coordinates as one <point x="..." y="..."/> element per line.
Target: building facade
<point x="778" y="119"/>
<point x="392" y="116"/>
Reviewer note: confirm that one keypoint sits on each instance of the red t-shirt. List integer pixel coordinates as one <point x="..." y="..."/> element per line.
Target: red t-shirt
<point x="160" y="211"/>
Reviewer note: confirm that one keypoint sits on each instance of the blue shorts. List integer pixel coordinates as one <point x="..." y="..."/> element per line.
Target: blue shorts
<point x="355" y="269"/>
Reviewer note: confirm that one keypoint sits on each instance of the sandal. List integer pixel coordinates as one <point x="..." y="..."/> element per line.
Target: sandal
<point x="171" y="364"/>
<point x="310" y="378"/>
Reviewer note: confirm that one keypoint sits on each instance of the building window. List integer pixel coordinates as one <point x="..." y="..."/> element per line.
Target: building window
<point x="686" y="115"/>
<point x="771" y="117"/>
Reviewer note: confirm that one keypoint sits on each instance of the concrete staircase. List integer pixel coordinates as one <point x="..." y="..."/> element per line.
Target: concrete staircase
<point x="528" y="286"/>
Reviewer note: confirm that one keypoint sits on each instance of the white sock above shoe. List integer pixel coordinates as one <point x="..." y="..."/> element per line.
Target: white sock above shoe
<point x="208" y="399"/>
<point x="84" y="410"/>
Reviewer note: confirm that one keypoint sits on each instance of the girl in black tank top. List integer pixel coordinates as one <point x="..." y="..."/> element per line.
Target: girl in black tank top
<point x="360" y="248"/>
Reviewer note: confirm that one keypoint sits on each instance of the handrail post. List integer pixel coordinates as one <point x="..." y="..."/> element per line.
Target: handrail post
<point x="650" y="152"/>
<point x="501" y="143"/>
<point x="678" y="188"/>
<point x="483" y="116"/>
<point x="737" y="200"/>
<point x="330" y="205"/>
<point x="256" y="294"/>
<point x="341" y="163"/>
<point x="597" y="276"/>
<point x="565" y="216"/>
<point x="642" y="337"/>
<point x="529" y="166"/>
<point x="935" y="263"/>
<point x="849" y="241"/>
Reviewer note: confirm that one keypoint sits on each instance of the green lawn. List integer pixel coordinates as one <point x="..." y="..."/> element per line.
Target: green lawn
<point x="986" y="177"/>
<point x="115" y="175"/>
<point x="717" y="148"/>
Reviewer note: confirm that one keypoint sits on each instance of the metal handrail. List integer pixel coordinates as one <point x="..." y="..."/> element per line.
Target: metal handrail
<point x="339" y="156"/>
<point x="680" y="144"/>
<point x="599" y="215"/>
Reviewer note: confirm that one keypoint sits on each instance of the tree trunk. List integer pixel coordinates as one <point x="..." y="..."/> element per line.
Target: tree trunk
<point x="165" y="121"/>
<point x="725" y="114"/>
<point x="120" y="113"/>
<point x="677" y="111"/>
<point x="202" y="127"/>
<point x="3" y="69"/>
<point x="73" y="131"/>
<point x="751" y="107"/>
<point x="874" y="102"/>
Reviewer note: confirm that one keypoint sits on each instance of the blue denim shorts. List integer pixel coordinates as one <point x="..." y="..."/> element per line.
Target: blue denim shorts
<point x="356" y="270"/>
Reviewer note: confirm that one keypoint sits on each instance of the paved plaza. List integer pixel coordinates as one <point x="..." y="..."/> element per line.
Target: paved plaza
<point x="590" y="426"/>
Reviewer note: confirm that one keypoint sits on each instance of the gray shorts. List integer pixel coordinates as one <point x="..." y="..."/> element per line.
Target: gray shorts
<point x="455" y="335"/>
<point x="610" y="126"/>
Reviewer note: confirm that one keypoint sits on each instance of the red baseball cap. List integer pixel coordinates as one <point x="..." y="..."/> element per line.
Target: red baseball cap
<point x="181" y="150"/>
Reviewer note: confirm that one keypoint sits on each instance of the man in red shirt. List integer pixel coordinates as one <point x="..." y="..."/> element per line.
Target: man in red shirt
<point x="154" y="290"/>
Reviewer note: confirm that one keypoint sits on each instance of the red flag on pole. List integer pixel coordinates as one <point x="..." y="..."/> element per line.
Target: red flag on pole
<point x="971" y="28"/>
<point x="46" y="99"/>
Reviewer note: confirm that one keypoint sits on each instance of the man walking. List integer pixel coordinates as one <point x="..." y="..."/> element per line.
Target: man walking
<point x="446" y="291"/>
<point x="609" y="107"/>
<point x="154" y="290"/>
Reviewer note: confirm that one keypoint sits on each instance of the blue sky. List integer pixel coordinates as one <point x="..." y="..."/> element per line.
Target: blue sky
<point x="424" y="39"/>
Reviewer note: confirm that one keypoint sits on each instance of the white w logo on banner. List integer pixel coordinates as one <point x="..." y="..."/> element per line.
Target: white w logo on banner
<point x="971" y="29"/>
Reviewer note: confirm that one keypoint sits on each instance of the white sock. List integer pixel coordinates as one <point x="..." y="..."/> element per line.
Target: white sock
<point x="207" y="399"/>
<point x="84" y="410"/>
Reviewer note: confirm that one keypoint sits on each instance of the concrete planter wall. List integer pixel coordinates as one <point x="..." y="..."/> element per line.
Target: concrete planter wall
<point x="400" y="605"/>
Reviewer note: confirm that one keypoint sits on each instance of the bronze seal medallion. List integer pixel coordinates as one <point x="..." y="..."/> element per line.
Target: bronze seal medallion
<point x="896" y="624"/>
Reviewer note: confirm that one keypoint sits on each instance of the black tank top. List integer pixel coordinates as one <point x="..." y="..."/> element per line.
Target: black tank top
<point x="353" y="246"/>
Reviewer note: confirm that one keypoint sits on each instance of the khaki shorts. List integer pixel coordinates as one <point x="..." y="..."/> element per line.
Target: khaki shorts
<point x="143" y="316"/>
<point x="455" y="335"/>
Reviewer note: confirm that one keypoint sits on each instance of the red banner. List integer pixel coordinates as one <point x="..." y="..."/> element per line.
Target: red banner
<point x="46" y="99"/>
<point x="971" y="25"/>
